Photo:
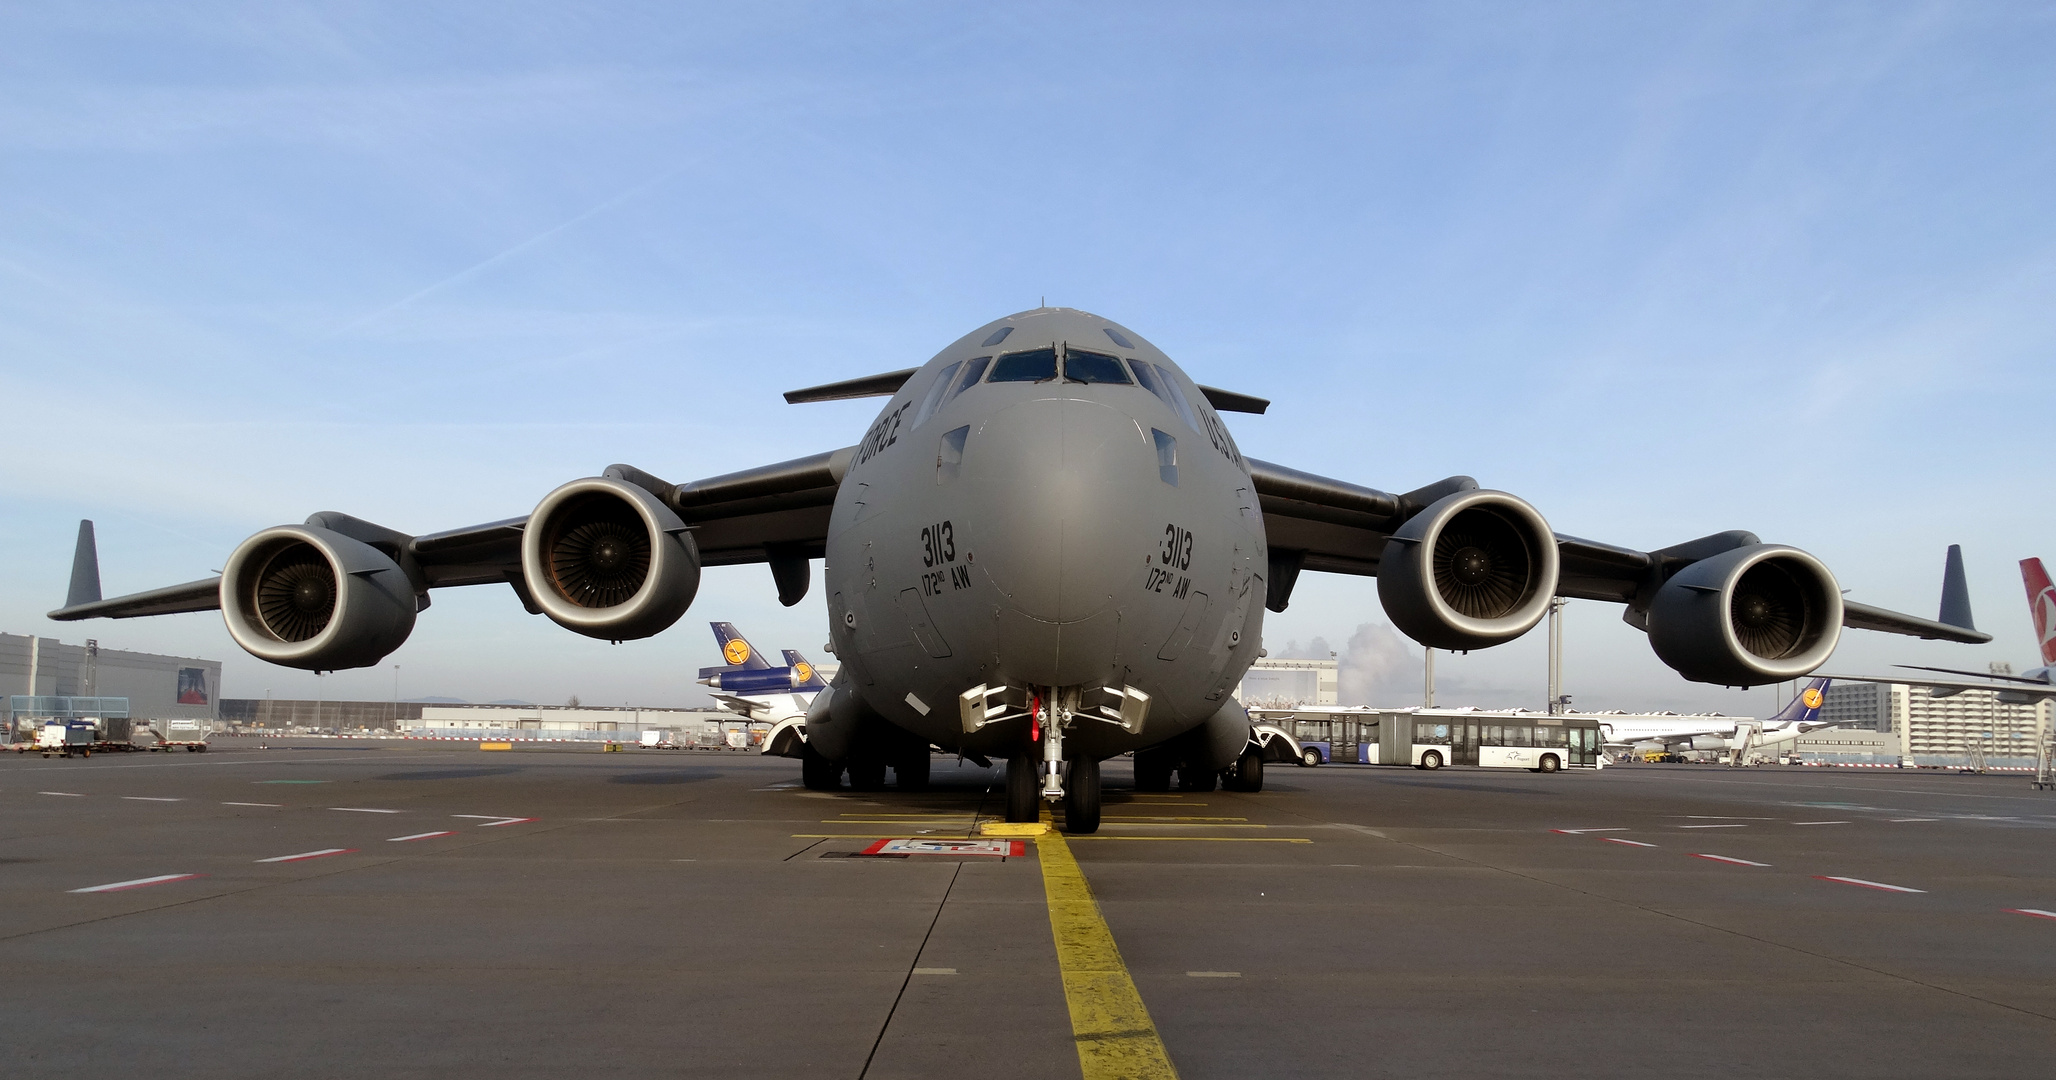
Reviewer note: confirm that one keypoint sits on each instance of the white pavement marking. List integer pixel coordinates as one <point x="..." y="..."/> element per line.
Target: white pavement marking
<point x="1820" y="823"/>
<point x="935" y="971"/>
<point x="150" y="798"/>
<point x="362" y="810"/>
<point x="418" y="836"/>
<point x="2036" y="912"/>
<point x="322" y="854"/>
<point x="1581" y="832"/>
<point x="491" y="821"/>
<point x="1868" y="884"/>
<point x="1630" y="843"/>
<point x="1725" y="859"/>
<point x="1213" y="974"/>
<point x="1713" y="826"/>
<point x="252" y="804"/>
<point x="66" y="794"/>
<point x="1898" y="819"/>
<point x="139" y="883"/>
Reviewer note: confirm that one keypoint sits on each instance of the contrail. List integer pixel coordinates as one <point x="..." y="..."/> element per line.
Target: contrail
<point x="471" y="271"/>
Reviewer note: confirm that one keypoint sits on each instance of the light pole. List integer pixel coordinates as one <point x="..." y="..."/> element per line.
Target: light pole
<point x="1428" y="683"/>
<point x="1555" y="656"/>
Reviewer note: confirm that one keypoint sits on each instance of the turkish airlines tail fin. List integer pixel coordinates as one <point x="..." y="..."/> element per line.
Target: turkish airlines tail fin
<point x="2041" y="604"/>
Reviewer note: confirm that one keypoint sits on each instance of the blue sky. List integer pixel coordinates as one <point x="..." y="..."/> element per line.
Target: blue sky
<point x="1661" y="269"/>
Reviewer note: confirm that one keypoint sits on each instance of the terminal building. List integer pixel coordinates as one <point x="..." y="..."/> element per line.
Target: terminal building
<point x="43" y="678"/>
<point x="1971" y="728"/>
<point x="1284" y="683"/>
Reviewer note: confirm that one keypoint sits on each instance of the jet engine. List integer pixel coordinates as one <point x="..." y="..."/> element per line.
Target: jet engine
<point x="604" y="558"/>
<point x="307" y="597"/>
<point x="1474" y="569"/>
<point x="1757" y="614"/>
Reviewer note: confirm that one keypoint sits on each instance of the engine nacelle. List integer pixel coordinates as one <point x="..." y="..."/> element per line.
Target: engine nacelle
<point x="1473" y="570"/>
<point x="307" y="597"/>
<point x="1754" y="615"/>
<point x="604" y="558"/>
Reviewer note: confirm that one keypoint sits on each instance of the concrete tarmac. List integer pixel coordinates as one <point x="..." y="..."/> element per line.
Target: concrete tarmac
<point x="402" y="909"/>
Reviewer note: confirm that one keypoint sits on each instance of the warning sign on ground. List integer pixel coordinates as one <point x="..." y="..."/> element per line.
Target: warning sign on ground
<point x="996" y="848"/>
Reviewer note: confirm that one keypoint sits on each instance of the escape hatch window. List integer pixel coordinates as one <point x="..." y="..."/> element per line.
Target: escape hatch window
<point x="1092" y="367"/>
<point x="1034" y="365"/>
<point x="974" y="369"/>
<point x="1118" y="337"/>
<point x="996" y="337"/>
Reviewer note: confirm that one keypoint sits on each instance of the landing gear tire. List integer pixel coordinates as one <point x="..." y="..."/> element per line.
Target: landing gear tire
<point x="1152" y="772"/>
<point x="1022" y="784"/>
<point x="911" y="772"/>
<point x="867" y="775"/>
<point x="1081" y="797"/>
<point x="817" y="773"/>
<point x="1310" y="757"/>
<point x="1549" y="763"/>
<point x="1194" y="778"/>
<point x="1430" y="761"/>
<point x="1247" y="774"/>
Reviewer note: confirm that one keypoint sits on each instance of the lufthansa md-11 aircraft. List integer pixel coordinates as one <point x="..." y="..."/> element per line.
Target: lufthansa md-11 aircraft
<point x="1048" y="548"/>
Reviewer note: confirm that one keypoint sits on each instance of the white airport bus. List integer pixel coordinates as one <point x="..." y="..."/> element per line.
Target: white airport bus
<point x="1432" y="738"/>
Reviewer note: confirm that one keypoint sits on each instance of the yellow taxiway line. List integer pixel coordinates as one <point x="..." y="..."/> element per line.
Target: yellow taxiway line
<point x="1116" y="1038"/>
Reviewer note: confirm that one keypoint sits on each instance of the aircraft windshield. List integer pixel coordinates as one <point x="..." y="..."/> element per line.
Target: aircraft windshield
<point x="1091" y="367"/>
<point x="1035" y="365"/>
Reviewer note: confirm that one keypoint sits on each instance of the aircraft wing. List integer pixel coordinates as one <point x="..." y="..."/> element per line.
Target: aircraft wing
<point x="2025" y="688"/>
<point x="1318" y="523"/>
<point x="775" y="513"/>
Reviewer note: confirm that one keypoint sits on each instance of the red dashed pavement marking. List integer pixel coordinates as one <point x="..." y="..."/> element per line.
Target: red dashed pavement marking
<point x="322" y="854"/>
<point x="418" y="836"/>
<point x="1630" y="843"/>
<point x="2036" y="912"/>
<point x="1726" y="859"/>
<point x="139" y="883"/>
<point x="1879" y="885"/>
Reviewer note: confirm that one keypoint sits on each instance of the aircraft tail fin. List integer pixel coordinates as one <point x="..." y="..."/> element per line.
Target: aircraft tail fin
<point x="804" y="677"/>
<point x="2041" y="603"/>
<point x="736" y="650"/>
<point x="1805" y="707"/>
<point x="85" y="569"/>
<point x="1955" y="591"/>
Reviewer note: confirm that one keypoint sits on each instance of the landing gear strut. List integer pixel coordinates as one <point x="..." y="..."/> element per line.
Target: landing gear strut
<point x="817" y="772"/>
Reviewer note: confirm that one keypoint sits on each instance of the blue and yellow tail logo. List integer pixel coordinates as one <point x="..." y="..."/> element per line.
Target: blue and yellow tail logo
<point x="1811" y="698"/>
<point x="803" y="672"/>
<point x="736" y="652"/>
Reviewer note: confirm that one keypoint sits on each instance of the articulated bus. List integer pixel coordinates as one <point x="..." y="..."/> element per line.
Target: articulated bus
<point x="1432" y="738"/>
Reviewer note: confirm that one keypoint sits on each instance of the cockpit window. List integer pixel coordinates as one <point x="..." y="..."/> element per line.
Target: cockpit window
<point x="996" y="337"/>
<point x="1091" y="367"/>
<point x="1119" y="338"/>
<point x="974" y="369"/>
<point x="1147" y="376"/>
<point x="1034" y="365"/>
<point x="933" y="400"/>
<point x="1177" y="395"/>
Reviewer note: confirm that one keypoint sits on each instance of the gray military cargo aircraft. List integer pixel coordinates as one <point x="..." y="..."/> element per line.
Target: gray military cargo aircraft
<point x="1047" y="548"/>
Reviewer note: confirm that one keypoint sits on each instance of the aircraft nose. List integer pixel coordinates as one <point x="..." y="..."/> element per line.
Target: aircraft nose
<point x="1068" y="493"/>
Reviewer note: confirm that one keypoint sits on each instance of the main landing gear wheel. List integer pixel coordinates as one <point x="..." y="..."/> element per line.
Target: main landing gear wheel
<point x="1022" y="787"/>
<point x="910" y="773"/>
<point x="818" y="773"/>
<point x="1152" y="772"/>
<point x="1247" y="774"/>
<point x="1431" y="760"/>
<point x="1081" y="797"/>
<point x="1194" y="778"/>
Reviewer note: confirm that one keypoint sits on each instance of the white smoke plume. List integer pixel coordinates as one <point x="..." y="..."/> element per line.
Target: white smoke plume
<point x="1380" y="668"/>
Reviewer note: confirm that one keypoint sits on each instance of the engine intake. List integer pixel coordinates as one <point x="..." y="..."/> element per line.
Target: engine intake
<point x="306" y="597"/>
<point x="1758" y="614"/>
<point x="1474" y="569"/>
<point x="604" y="558"/>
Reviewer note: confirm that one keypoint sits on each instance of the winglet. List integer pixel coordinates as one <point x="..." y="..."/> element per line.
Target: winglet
<point x="1955" y="591"/>
<point x="85" y="570"/>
